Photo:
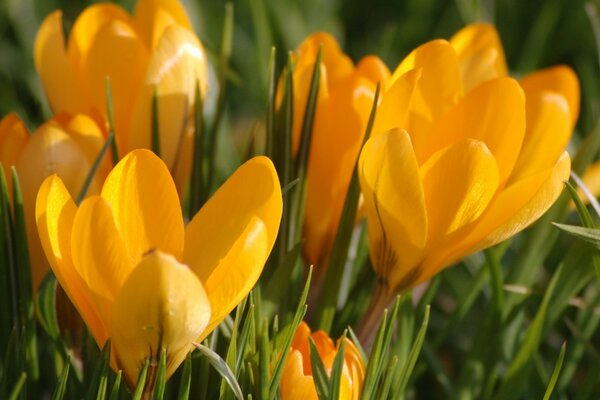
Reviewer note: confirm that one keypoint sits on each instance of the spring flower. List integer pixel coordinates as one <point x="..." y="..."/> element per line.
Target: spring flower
<point x="137" y="276"/>
<point x="297" y="380"/>
<point x="462" y="157"/>
<point x="66" y="145"/>
<point x="346" y="94"/>
<point x="155" y="48"/>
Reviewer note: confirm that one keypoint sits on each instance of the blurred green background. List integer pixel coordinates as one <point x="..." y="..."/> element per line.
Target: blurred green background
<point x="535" y="33"/>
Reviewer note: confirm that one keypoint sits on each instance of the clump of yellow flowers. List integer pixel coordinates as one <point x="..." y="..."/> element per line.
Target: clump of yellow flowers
<point x="137" y="276"/>
<point x="461" y="157"/>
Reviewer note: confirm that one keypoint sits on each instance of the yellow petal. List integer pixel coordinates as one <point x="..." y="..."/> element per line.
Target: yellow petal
<point x="437" y="90"/>
<point x="145" y="205"/>
<point x="340" y="125"/>
<point x="177" y="63"/>
<point x="86" y="27"/>
<point x="13" y="138"/>
<point x="115" y="51"/>
<point x="395" y="103"/>
<point x="460" y="182"/>
<point x="90" y="138"/>
<point x="295" y="384"/>
<point x="56" y="72"/>
<point x="161" y="305"/>
<point x="494" y="113"/>
<point x="152" y="17"/>
<point x="372" y="68"/>
<point x="99" y="253"/>
<point x="182" y="168"/>
<point x="591" y="179"/>
<point x="395" y="204"/>
<point x="337" y="64"/>
<point x="55" y="212"/>
<point x="515" y="208"/>
<point x="548" y="132"/>
<point x="560" y="79"/>
<point x="480" y="54"/>
<point x="229" y="239"/>
<point x="49" y="150"/>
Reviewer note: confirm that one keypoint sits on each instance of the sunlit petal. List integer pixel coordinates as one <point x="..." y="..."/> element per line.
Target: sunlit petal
<point x="145" y="205"/>
<point x="235" y="231"/>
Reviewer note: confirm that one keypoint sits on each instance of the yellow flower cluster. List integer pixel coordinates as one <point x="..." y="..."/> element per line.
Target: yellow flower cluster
<point x="461" y="157"/>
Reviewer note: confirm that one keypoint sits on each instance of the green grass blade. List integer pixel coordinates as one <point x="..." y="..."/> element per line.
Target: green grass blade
<point x="23" y="265"/>
<point x="17" y="389"/>
<point x="518" y="370"/>
<point x="222" y="368"/>
<point x="223" y="73"/>
<point x="111" y="124"/>
<point x="197" y="182"/>
<point x="161" y="376"/>
<point x="319" y="372"/>
<point x="264" y="364"/>
<point x="155" y="140"/>
<point x="271" y="106"/>
<point x="411" y="361"/>
<point x="141" y="381"/>
<point x="302" y="158"/>
<point x="555" y="372"/>
<point x="186" y="379"/>
<point x="337" y="368"/>
<point x="61" y="387"/>
<point x="285" y="348"/>
<point x="380" y="352"/>
<point x="114" y="392"/>
<point x="92" y="173"/>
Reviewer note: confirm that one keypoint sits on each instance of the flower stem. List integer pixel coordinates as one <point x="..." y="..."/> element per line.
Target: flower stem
<point x="369" y="324"/>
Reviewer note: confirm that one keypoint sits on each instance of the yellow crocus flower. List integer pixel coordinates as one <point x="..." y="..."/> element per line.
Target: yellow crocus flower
<point x="462" y="157"/>
<point x="346" y="94"/>
<point x="137" y="276"/>
<point x="155" y="48"/>
<point x="66" y="145"/>
<point x="297" y="380"/>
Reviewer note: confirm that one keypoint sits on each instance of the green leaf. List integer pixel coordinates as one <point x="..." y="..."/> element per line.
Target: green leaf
<point x="155" y="140"/>
<point x="411" y="361"/>
<point x="99" y="382"/>
<point x="264" y="363"/>
<point x="271" y="105"/>
<point x="223" y="72"/>
<point x="46" y="305"/>
<point x="141" y="381"/>
<point x="197" y="182"/>
<point x="59" y="391"/>
<point x="186" y="379"/>
<point x="94" y="168"/>
<point x="555" y="372"/>
<point x="16" y="392"/>
<point x="301" y="164"/>
<point x="589" y="235"/>
<point x="518" y="370"/>
<point x="337" y="369"/>
<point x="114" y="392"/>
<point x="222" y="368"/>
<point x="319" y="372"/>
<point x="23" y="266"/>
<point x="161" y="376"/>
<point x="111" y="124"/>
<point x="285" y="348"/>
<point x="379" y="353"/>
